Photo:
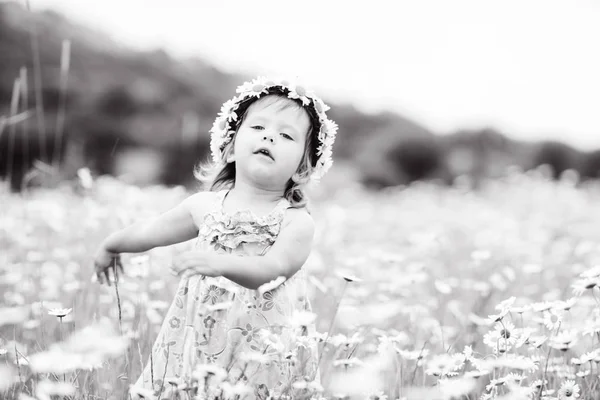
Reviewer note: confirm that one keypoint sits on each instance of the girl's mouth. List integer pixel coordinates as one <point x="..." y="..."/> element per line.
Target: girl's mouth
<point x="264" y="151"/>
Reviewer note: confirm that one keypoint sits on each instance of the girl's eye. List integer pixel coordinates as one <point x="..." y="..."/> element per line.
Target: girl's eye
<point x="285" y="135"/>
<point x="258" y="127"/>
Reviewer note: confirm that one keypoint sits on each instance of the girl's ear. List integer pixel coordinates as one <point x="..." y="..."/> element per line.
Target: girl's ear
<point x="230" y="156"/>
<point x="230" y="153"/>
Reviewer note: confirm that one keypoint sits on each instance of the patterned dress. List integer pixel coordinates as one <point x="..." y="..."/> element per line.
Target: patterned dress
<point x="216" y="321"/>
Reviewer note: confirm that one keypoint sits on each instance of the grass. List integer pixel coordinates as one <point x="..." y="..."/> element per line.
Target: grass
<point x="449" y="292"/>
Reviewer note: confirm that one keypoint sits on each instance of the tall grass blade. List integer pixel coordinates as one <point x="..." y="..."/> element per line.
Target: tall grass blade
<point x="25" y="124"/>
<point x="65" y="58"/>
<point x="14" y="109"/>
<point x="37" y="82"/>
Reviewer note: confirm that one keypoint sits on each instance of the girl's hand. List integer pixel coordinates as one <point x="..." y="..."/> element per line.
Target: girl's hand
<point x="196" y="262"/>
<point x="104" y="262"/>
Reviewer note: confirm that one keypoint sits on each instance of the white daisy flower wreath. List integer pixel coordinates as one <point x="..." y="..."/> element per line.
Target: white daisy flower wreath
<point x="222" y="130"/>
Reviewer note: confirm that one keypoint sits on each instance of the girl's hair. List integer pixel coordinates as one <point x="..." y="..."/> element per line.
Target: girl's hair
<point x="216" y="176"/>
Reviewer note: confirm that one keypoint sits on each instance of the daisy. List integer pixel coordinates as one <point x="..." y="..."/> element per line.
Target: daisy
<point x="511" y="361"/>
<point x="589" y="356"/>
<point x="60" y="312"/>
<point x="496" y="342"/>
<point x="568" y="390"/>
<point x="306" y="385"/>
<point x="229" y="105"/>
<point x="348" y="277"/>
<point x="593" y="272"/>
<point x="523" y="336"/>
<point x="519" y="392"/>
<point x="85" y="178"/>
<point x="477" y="320"/>
<point x="302" y="318"/>
<point x="576" y="361"/>
<point x="456" y="388"/>
<point x="444" y="365"/>
<point x="494" y="383"/>
<point x="299" y="92"/>
<point x="442" y="287"/>
<point x="564" y="340"/>
<point x="542" y="306"/>
<point x="414" y="354"/>
<point x="520" y="309"/>
<point x="498" y="317"/>
<point x="468" y="352"/>
<point x="559" y="346"/>
<point x="348" y="362"/>
<point x="537" y="384"/>
<point x="581" y="285"/>
<point x="254" y="356"/>
<point x="291" y="356"/>
<point x="378" y="396"/>
<point x="491" y="338"/>
<point x="506" y="304"/>
<point x="592" y="328"/>
<point x="174" y="381"/>
<point x="141" y="392"/>
<point x="537" y="341"/>
<point x="552" y="319"/>
<point x="343" y="340"/>
<point x="47" y="389"/>
<point x="476" y="373"/>
<point x="506" y="331"/>
<point x="239" y="390"/>
<point x="512" y="377"/>
<point x="203" y="371"/>
<point x="567" y="304"/>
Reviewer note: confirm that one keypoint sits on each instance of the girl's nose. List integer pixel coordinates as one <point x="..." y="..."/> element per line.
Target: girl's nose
<point x="269" y="138"/>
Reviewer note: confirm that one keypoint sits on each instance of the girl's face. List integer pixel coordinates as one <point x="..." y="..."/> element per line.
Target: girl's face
<point x="269" y="144"/>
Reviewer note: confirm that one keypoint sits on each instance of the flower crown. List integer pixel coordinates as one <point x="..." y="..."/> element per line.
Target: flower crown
<point x="222" y="131"/>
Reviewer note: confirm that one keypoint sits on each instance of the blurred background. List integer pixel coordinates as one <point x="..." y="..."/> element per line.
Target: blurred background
<point x="427" y="90"/>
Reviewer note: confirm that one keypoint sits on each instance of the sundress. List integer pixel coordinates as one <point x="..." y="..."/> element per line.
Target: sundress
<point x="215" y="321"/>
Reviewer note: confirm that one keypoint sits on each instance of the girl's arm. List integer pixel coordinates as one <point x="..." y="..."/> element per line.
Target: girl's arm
<point x="285" y="258"/>
<point x="174" y="226"/>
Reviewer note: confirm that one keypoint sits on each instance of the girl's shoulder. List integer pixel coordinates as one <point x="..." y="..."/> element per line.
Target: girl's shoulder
<point x="298" y="216"/>
<point x="201" y="203"/>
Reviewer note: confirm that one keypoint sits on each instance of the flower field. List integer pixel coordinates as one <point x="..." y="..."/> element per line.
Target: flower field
<point x="419" y="292"/>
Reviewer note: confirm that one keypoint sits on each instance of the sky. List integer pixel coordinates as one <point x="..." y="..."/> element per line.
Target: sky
<point x="528" y="68"/>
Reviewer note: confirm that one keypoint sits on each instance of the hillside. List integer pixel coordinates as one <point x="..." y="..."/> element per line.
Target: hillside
<point x="147" y="114"/>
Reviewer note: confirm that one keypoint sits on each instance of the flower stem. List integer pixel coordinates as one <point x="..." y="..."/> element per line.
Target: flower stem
<point x="61" y="339"/>
<point x="316" y="371"/>
<point x="118" y="297"/>
<point x="546" y="366"/>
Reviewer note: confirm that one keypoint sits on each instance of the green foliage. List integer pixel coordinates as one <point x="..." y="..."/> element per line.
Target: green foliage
<point x="417" y="159"/>
<point x="558" y="156"/>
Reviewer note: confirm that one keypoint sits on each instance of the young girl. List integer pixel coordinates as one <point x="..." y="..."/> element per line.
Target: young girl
<point x="232" y="320"/>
